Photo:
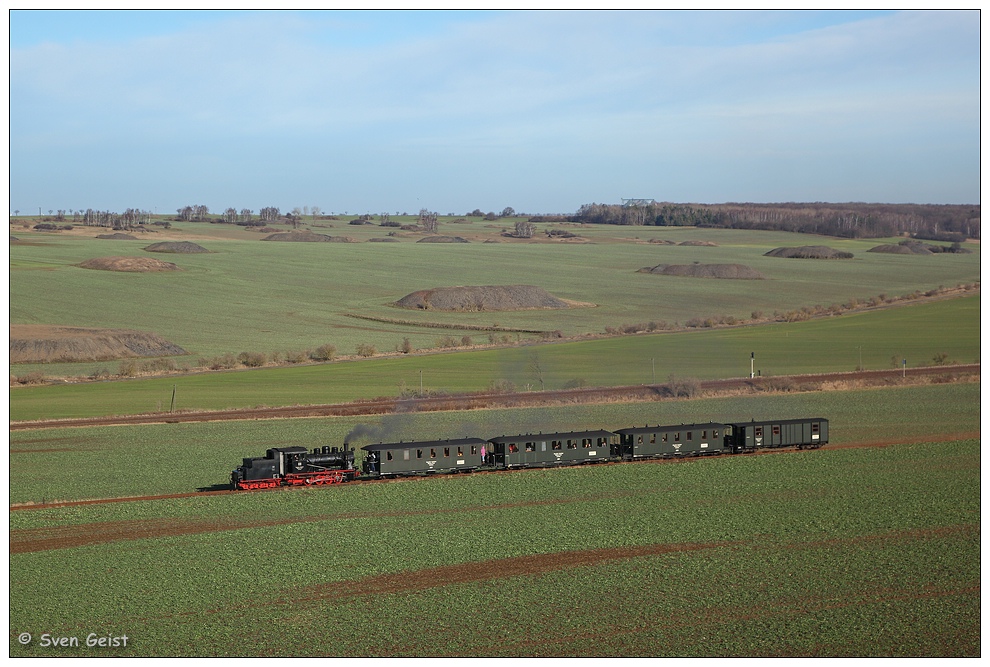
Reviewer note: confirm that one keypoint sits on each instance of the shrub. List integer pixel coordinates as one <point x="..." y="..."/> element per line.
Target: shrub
<point x="252" y="359"/>
<point x="780" y="384"/>
<point x="324" y="353"/>
<point x="158" y="366"/>
<point x="405" y="347"/>
<point x="296" y="356"/>
<point x="366" y="350"/>
<point x="501" y="386"/>
<point x="683" y="387"/>
<point x="129" y="368"/>
<point x="34" y="377"/>
<point x="447" y="341"/>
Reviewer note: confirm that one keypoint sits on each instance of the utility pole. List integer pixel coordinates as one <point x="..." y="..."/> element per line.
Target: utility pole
<point x="752" y="365"/>
<point x="654" y="362"/>
<point x="172" y="409"/>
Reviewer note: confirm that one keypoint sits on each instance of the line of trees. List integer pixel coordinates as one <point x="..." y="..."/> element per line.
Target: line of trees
<point x="854" y="220"/>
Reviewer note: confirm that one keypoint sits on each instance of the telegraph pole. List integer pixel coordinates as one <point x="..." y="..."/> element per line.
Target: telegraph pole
<point x="752" y="365"/>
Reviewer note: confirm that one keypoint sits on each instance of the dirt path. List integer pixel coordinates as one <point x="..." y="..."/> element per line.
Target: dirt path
<point x="522" y="399"/>
<point x="65" y="537"/>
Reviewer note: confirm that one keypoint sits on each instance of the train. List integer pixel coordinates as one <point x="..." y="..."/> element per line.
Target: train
<point x="297" y="466"/>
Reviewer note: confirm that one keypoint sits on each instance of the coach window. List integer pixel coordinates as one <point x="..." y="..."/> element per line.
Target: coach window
<point x="758" y="431"/>
<point x="639" y="440"/>
<point x="704" y="435"/>
<point x="543" y="446"/>
<point x="388" y="456"/>
<point x="513" y="448"/>
<point x="419" y="453"/>
<point x="446" y="451"/>
<point x="555" y="444"/>
<point x="572" y="444"/>
<point x="474" y="449"/>
<point x="664" y="439"/>
<point x="433" y="453"/>
<point x="677" y="437"/>
<point x="690" y="435"/>
<point x="776" y="430"/>
<point x="714" y="432"/>
<point x="815" y="426"/>
<point x="405" y="454"/>
<point x="530" y="446"/>
<point x="653" y="438"/>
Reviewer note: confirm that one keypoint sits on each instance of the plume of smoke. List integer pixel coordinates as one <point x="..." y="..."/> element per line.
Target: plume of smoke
<point x="389" y="428"/>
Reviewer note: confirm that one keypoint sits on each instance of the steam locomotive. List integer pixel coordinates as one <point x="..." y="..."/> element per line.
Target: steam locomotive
<point x="296" y="466"/>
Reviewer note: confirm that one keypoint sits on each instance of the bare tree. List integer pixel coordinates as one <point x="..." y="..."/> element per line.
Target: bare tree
<point x="525" y="229"/>
<point x="536" y="368"/>
<point x="428" y="221"/>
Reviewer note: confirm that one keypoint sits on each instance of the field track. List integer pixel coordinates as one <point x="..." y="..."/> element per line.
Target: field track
<point x="284" y="489"/>
<point x="487" y="400"/>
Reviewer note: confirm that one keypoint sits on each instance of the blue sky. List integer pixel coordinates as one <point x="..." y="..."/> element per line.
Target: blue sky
<point x="387" y="111"/>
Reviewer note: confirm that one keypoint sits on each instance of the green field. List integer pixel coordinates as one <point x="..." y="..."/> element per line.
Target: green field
<point x="265" y="297"/>
<point x="141" y="460"/>
<point x="877" y="339"/>
<point x="833" y="552"/>
<point x="848" y="550"/>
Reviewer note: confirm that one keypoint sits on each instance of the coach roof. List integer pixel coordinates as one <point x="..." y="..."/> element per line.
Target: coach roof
<point x="424" y="443"/>
<point x="540" y="437"/>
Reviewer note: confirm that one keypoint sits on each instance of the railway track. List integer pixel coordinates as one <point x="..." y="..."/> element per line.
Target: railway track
<point x="414" y="478"/>
<point x="487" y="400"/>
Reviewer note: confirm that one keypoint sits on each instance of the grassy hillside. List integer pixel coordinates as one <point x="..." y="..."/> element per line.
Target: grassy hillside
<point x="255" y="296"/>
<point x="875" y="338"/>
